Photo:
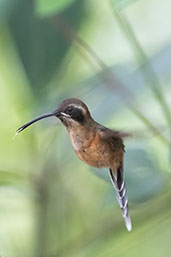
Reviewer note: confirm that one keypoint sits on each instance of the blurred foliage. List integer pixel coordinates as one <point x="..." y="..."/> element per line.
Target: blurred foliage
<point x="51" y="203"/>
<point x="40" y="43"/>
<point x="44" y="7"/>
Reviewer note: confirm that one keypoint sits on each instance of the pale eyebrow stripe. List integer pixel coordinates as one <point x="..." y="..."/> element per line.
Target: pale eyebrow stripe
<point x="78" y="107"/>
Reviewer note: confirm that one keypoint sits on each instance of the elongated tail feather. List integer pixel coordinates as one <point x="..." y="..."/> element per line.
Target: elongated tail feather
<point x="120" y="188"/>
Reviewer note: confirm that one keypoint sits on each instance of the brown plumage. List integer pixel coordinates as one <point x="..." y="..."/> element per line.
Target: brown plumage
<point x="94" y="144"/>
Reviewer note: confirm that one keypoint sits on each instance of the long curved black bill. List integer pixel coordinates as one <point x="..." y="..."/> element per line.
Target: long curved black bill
<point x="35" y="120"/>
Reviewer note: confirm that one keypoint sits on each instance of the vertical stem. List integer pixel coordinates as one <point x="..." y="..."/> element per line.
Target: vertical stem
<point x="42" y="226"/>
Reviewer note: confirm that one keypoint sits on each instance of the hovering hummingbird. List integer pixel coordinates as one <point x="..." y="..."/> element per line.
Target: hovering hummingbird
<point x="94" y="144"/>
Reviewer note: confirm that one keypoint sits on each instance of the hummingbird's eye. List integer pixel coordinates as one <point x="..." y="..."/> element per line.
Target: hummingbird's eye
<point x="69" y="110"/>
<point x="75" y="113"/>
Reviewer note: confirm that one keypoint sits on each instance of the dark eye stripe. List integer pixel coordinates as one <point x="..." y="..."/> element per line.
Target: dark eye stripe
<point x="77" y="115"/>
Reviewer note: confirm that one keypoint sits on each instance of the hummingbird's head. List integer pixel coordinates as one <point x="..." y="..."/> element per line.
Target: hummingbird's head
<point x="72" y="112"/>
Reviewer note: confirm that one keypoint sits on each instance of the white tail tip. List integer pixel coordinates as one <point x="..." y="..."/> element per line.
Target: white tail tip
<point x="128" y="223"/>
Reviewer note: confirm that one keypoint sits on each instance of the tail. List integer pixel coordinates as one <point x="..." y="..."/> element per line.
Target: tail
<point x="120" y="188"/>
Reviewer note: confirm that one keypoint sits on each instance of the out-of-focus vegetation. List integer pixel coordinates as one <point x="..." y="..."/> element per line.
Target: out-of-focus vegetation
<point x="116" y="56"/>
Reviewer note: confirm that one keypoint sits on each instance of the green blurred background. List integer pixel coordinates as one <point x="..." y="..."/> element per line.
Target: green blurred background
<point x="115" y="56"/>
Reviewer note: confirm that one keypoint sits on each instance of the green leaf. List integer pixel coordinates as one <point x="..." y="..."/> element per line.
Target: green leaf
<point x="50" y="7"/>
<point x="143" y="176"/>
<point x="9" y="177"/>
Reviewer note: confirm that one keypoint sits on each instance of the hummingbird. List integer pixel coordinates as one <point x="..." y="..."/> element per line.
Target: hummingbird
<point x="94" y="144"/>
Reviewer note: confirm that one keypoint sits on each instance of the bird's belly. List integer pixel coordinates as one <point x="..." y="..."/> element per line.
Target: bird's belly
<point x="92" y="150"/>
<point x="94" y="155"/>
<point x="93" y="158"/>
